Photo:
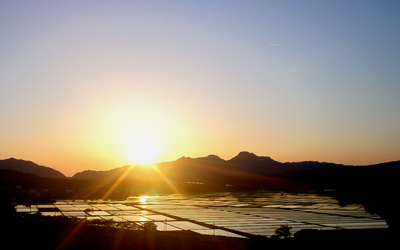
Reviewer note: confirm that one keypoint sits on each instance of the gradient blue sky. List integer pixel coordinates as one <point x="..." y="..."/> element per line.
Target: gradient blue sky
<point x="293" y="80"/>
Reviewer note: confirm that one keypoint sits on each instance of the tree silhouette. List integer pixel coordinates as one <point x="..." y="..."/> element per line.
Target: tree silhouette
<point x="283" y="231"/>
<point x="149" y="226"/>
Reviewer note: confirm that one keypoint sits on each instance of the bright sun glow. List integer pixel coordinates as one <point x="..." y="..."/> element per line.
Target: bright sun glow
<point x="142" y="151"/>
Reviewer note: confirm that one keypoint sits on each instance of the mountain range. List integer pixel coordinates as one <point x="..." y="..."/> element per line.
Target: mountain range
<point x="245" y="169"/>
<point x="209" y="168"/>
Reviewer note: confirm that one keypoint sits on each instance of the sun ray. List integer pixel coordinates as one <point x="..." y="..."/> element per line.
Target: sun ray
<point x="117" y="182"/>
<point x="165" y="179"/>
<point x="71" y="234"/>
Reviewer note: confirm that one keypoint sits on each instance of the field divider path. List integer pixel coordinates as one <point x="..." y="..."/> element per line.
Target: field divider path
<point x="210" y="226"/>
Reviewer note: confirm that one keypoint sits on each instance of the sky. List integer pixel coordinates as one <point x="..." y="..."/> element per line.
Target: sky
<point x="82" y="83"/>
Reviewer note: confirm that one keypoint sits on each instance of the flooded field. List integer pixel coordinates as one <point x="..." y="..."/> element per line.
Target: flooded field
<point x="227" y="214"/>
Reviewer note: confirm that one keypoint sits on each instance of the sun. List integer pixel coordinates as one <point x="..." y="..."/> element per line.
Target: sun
<point x="142" y="151"/>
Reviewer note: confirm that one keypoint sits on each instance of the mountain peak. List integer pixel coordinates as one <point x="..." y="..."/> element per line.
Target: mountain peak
<point x="245" y="155"/>
<point x="208" y="159"/>
<point x="213" y="157"/>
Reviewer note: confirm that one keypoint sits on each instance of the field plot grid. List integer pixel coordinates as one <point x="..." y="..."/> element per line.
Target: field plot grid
<point x="223" y="214"/>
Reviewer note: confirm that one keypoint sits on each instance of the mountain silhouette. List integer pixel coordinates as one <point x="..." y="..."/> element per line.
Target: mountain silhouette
<point x="244" y="170"/>
<point x="30" y="168"/>
<point x="249" y="170"/>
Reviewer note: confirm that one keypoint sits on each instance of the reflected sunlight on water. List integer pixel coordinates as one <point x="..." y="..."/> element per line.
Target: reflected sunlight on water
<point x="143" y="199"/>
<point x="229" y="214"/>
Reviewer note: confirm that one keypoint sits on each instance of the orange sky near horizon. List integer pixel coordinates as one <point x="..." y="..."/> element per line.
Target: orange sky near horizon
<point x="293" y="80"/>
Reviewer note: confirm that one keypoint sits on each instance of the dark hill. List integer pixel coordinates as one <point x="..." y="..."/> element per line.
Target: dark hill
<point x="30" y="168"/>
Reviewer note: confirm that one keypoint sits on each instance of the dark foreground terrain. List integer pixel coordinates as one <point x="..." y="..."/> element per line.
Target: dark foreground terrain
<point x="38" y="232"/>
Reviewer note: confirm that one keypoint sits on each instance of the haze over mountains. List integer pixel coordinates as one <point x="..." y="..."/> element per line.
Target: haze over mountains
<point x="245" y="162"/>
<point x="245" y="169"/>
